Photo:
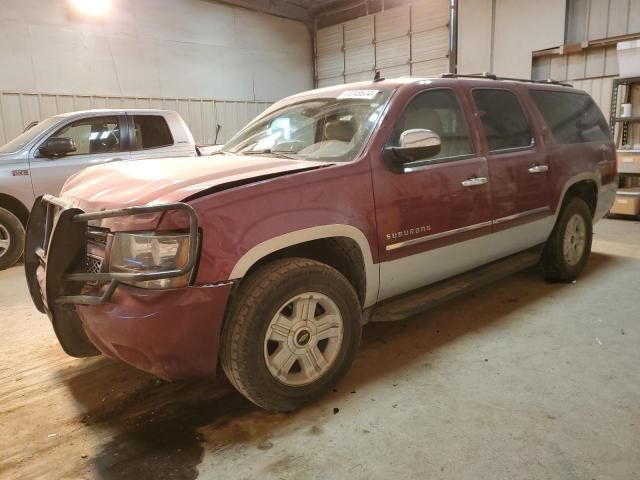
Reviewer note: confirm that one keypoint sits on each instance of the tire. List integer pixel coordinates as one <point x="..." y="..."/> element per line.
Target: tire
<point x="562" y="262"/>
<point x="11" y="239"/>
<point x="254" y="342"/>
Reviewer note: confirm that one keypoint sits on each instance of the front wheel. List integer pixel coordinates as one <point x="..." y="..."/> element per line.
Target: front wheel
<point x="569" y="244"/>
<point x="11" y="239"/>
<point x="292" y="333"/>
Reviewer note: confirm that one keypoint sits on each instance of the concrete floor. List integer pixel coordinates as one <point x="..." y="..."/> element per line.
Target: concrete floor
<point x="521" y="380"/>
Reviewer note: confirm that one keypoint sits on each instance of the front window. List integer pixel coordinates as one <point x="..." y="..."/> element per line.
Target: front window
<point x="93" y="135"/>
<point x="437" y="110"/>
<point x="329" y="126"/>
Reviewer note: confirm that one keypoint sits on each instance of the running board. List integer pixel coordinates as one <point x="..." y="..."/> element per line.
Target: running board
<point x="418" y="301"/>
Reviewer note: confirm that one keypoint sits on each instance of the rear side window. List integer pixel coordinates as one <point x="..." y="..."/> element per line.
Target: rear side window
<point x="151" y="131"/>
<point x="572" y="117"/>
<point x="505" y="124"/>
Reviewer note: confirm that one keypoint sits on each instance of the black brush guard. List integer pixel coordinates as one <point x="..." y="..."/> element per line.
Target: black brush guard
<point x="57" y="240"/>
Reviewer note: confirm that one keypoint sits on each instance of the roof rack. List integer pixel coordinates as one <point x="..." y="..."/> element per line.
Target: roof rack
<point x="492" y="76"/>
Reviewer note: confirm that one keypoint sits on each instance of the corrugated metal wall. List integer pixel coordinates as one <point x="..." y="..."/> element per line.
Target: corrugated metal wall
<point x="407" y="40"/>
<point x="592" y="70"/>
<point x="597" y="19"/>
<point x="201" y="115"/>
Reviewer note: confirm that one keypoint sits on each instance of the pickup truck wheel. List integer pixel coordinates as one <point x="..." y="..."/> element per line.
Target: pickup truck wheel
<point x="11" y="239"/>
<point x="569" y="244"/>
<point x="291" y="334"/>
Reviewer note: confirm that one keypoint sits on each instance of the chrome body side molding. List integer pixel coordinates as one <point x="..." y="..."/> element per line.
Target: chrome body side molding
<point x="468" y="228"/>
<point x="436" y="236"/>
<point x="517" y="216"/>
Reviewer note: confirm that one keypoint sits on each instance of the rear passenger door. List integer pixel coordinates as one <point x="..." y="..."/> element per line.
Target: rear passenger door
<point x="517" y="162"/>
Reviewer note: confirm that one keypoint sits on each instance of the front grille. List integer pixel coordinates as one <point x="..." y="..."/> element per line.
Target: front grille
<point x="94" y="264"/>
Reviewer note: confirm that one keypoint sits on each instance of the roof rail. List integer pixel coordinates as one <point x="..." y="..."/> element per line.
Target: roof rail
<point x="492" y="76"/>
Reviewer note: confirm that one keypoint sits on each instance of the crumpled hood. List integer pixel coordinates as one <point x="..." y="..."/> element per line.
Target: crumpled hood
<point x="153" y="181"/>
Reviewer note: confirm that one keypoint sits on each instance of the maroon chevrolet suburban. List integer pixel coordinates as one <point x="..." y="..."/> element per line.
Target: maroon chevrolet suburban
<point x="364" y="202"/>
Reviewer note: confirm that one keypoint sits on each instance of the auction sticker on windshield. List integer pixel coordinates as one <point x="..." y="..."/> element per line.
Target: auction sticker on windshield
<point x="363" y="94"/>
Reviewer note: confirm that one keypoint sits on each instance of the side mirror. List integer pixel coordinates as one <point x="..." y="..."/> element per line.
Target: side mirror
<point x="415" y="144"/>
<point x="57" y="146"/>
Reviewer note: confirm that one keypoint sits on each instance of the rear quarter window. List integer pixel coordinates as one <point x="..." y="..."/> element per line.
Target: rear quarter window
<point x="151" y="131"/>
<point x="572" y="117"/>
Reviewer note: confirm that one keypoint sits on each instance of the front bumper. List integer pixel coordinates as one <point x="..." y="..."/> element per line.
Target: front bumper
<point x="169" y="333"/>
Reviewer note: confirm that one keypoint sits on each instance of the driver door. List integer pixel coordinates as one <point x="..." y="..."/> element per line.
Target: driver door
<point x="97" y="140"/>
<point x="431" y="214"/>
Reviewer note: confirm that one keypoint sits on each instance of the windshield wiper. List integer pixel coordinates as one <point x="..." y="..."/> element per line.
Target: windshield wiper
<point x="268" y="151"/>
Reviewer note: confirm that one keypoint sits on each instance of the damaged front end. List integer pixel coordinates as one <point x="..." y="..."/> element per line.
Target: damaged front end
<point x="64" y="272"/>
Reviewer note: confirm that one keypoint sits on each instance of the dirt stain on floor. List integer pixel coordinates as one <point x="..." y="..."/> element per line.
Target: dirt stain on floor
<point x="163" y="442"/>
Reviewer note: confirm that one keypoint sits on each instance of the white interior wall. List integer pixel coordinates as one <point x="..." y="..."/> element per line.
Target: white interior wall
<point x="158" y="49"/>
<point x="499" y="35"/>
<point x="474" y="36"/>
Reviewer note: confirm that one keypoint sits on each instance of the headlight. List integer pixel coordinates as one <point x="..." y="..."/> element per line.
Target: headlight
<point x="148" y="253"/>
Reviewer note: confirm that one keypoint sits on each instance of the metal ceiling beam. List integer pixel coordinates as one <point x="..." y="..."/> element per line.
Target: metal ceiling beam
<point x="292" y="9"/>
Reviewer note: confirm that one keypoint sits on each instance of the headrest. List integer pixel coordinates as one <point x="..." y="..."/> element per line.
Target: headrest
<point x="342" y="130"/>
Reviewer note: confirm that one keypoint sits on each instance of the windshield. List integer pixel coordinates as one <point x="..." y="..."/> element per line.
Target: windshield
<point x="330" y="126"/>
<point x="25" y="137"/>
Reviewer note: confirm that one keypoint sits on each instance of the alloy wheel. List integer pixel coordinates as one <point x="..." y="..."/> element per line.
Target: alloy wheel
<point x="303" y="339"/>
<point x="5" y="240"/>
<point x="575" y="239"/>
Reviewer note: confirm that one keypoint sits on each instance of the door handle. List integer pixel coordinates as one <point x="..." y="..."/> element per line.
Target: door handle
<point x="475" y="181"/>
<point x="538" y="168"/>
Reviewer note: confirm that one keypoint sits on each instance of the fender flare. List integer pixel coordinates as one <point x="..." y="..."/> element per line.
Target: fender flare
<point x="372" y="271"/>
<point x="572" y="181"/>
<point x="15" y="206"/>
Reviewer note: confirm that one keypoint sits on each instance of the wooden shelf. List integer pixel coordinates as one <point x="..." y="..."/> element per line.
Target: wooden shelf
<point x="633" y="119"/>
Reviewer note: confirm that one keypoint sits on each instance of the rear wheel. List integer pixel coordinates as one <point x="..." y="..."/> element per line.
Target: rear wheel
<point x="292" y="333"/>
<point x="11" y="239"/>
<point x="569" y="244"/>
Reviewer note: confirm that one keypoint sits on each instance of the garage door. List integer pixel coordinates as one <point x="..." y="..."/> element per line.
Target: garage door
<point x="408" y="40"/>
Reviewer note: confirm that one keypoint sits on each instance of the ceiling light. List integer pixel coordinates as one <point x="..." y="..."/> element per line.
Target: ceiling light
<point x="94" y="8"/>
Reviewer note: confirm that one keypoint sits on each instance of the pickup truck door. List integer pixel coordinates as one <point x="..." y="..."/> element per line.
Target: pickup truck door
<point x="151" y="137"/>
<point x="433" y="217"/>
<point x="517" y="164"/>
<point x="98" y="140"/>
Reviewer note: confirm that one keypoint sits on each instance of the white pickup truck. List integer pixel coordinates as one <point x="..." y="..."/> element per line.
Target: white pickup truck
<point x="41" y="159"/>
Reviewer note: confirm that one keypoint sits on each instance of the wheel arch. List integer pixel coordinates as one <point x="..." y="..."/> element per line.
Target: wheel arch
<point x="16" y="207"/>
<point x="582" y="186"/>
<point x="343" y="247"/>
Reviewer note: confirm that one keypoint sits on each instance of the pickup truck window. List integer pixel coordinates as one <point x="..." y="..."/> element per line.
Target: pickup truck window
<point x="151" y="131"/>
<point x="93" y="135"/>
<point x="572" y="117"/>
<point x="438" y="111"/>
<point x="329" y="128"/>
<point x="505" y="124"/>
